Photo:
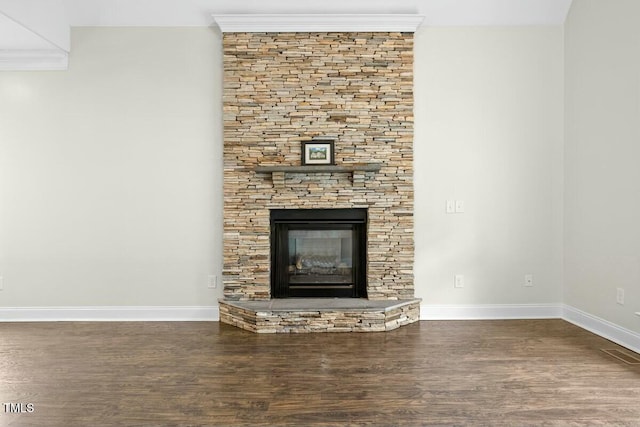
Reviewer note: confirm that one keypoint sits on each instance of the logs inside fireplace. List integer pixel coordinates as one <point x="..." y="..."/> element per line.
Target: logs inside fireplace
<point x="318" y="253"/>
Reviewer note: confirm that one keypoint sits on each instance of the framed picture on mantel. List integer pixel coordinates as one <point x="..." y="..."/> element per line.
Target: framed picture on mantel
<point x="318" y="152"/>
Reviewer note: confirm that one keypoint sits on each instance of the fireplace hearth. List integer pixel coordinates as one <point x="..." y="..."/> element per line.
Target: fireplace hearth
<point x="318" y="253"/>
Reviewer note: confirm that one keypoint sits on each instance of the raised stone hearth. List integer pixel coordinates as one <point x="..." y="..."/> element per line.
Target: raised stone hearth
<point x="300" y="315"/>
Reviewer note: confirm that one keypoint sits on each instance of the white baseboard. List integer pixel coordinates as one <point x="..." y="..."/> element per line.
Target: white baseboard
<point x="596" y="325"/>
<point x="603" y="328"/>
<point x="490" y="311"/>
<point x="114" y="314"/>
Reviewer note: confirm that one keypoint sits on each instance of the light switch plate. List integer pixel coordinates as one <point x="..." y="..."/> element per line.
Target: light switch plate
<point x="451" y="206"/>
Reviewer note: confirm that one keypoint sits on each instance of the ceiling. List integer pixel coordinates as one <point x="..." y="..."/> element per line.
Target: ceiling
<point x="43" y="25"/>
<point x="198" y="12"/>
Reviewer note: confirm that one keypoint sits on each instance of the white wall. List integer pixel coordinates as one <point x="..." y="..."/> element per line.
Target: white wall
<point x="489" y="131"/>
<point x="602" y="151"/>
<point x="111" y="172"/>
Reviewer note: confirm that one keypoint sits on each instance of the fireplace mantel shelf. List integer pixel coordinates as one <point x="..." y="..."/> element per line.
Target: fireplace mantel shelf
<point x="350" y="168"/>
<point x="357" y="171"/>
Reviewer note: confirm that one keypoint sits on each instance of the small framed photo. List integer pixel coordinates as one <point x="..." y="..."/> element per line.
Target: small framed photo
<point x="318" y="152"/>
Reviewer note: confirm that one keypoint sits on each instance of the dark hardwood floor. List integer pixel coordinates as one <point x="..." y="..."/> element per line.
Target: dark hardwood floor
<point x="484" y="373"/>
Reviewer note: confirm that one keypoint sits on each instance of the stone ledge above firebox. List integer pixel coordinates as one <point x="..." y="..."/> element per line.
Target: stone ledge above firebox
<point x="303" y="315"/>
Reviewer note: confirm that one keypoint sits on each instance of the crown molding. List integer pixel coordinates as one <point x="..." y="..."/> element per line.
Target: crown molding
<point x="258" y="23"/>
<point x="33" y="60"/>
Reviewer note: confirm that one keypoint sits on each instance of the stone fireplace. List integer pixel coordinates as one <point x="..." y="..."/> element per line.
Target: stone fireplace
<point x="283" y="88"/>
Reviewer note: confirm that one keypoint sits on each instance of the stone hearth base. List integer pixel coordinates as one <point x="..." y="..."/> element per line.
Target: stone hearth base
<point x="301" y="315"/>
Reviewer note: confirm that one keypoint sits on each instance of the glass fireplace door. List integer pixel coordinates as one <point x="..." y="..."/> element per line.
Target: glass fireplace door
<point x="320" y="256"/>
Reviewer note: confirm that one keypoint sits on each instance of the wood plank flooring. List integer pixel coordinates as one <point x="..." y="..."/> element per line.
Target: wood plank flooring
<point x="476" y="373"/>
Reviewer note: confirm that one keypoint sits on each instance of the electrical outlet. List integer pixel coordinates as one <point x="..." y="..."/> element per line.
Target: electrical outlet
<point x="213" y="282"/>
<point x="451" y="206"/>
<point x="528" y="280"/>
<point x="620" y="296"/>
<point x="458" y="281"/>
<point x="459" y="206"/>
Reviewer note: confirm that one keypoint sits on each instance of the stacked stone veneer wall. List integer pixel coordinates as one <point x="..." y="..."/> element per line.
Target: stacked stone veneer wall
<point x="283" y="88"/>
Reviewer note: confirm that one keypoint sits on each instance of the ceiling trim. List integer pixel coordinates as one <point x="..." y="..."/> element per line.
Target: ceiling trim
<point x="257" y="23"/>
<point x="33" y="60"/>
<point x="48" y="21"/>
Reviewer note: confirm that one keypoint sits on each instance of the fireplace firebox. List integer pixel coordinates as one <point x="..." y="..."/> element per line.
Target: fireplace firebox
<point x="318" y="253"/>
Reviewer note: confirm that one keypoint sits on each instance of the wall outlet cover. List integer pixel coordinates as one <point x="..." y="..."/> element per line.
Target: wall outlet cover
<point x="458" y="281"/>
<point x="528" y="280"/>
<point x="212" y="282"/>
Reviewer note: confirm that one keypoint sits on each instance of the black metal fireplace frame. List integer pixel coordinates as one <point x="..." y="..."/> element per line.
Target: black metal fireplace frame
<point x="283" y="220"/>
